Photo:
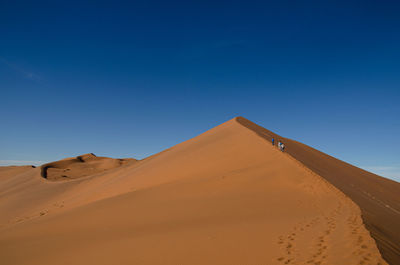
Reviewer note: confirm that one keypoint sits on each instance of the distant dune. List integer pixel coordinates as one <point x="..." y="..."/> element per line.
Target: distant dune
<point x="80" y="166"/>
<point x="226" y="196"/>
<point x="13" y="170"/>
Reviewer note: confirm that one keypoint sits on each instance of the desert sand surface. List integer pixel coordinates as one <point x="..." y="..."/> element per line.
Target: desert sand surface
<point x="378" y="198"/>
<point x="80" y="166"/>
<point x="13" y="170"/>
<point x="226" y="196"/>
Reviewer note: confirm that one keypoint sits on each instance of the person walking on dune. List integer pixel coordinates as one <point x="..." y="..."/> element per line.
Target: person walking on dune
<point x="273" y="141"/>
<point x="282" y="147"/>
<point x="279" y="144"/>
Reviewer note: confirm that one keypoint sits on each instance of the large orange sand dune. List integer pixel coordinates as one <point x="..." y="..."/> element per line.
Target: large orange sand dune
<point x="225" y="197"/>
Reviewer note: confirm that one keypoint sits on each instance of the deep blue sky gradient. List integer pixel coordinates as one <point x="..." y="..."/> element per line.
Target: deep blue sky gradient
<point x="131" y="79"/>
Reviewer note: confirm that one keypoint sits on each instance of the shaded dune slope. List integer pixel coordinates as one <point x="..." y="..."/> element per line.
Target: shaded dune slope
<point x="80" y="166"/>
<point x="378" y="198"/>
<point x="224" y="197"/>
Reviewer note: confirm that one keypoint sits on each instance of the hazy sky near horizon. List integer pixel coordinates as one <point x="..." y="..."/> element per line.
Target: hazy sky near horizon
<point x="131" y="79"/>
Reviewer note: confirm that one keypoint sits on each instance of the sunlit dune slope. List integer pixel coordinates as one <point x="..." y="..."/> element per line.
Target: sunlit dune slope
<point x="11" y="171"/>
<point x="378" y="198"/>
<point x="225" y="197"/>
<point x="25" y="194"/>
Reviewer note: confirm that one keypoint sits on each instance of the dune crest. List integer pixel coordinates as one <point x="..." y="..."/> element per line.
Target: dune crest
<point x="226" y="196"/>
<point x="377" y="197"/>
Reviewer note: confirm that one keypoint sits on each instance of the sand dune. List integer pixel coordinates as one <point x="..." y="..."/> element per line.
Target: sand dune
<point x="13" y="170"/>
<point x="225" y="197"/>
<point x="80" y="166"/>
<point x="378" y="198"/>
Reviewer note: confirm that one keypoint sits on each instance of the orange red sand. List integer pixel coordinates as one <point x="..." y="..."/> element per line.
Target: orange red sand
<point x="80" y="166"/>
<point x="224" y="197"/>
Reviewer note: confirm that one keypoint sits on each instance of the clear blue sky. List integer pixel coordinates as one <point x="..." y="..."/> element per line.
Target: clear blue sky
<point x="131" y="79"/>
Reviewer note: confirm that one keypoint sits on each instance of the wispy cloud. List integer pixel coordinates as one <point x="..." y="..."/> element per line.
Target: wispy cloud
<point x="21" y="162"/>
<point x="383" y="168"/>
<point x="25" y="74"/>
